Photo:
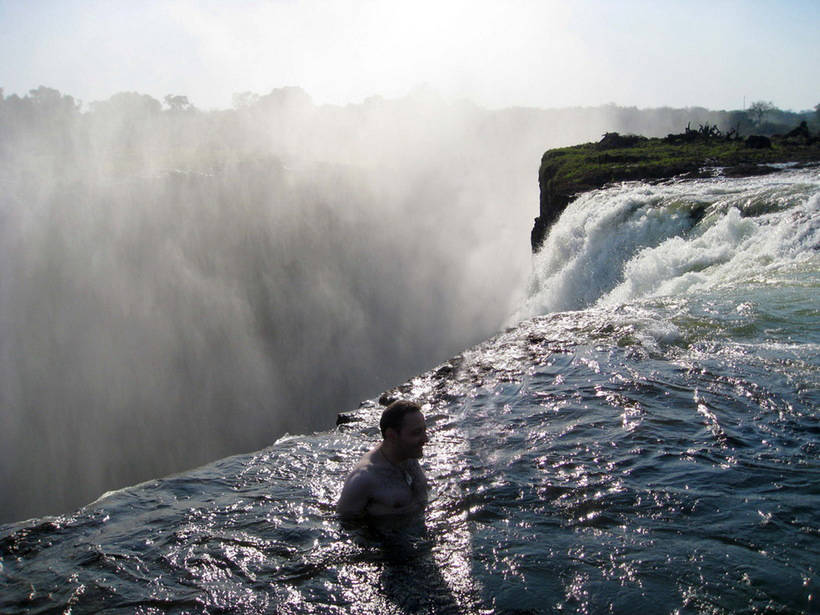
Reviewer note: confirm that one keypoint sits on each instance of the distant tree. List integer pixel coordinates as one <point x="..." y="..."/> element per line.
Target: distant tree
<point x="128" y="103"/>
<point x="178" y="103"/>
<point x="242" y="100"/>
<point x="816" y="110"/>
<point x="760" y="109"/>
<point x="44" y="95"/>
<point x="49" y="100"/>
<point x="287" y="98"/>
<point x="739" y="120"/>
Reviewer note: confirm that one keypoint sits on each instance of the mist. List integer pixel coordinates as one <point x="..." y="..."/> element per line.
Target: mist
<point x="177" y="286"/>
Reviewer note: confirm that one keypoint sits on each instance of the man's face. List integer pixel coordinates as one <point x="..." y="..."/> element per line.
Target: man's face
<point x="413" y="436"/>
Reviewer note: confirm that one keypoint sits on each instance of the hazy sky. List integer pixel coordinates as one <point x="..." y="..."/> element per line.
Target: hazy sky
<point x="540" y="53"/>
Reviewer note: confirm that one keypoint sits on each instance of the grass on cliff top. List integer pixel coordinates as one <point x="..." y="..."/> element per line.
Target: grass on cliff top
<point x="589" y="165"/>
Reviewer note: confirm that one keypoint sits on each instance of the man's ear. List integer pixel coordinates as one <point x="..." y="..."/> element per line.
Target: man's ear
<point x="391" y="434"/>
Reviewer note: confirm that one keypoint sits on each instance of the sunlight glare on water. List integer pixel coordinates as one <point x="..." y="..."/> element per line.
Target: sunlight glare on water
<point x="658" y="455"/>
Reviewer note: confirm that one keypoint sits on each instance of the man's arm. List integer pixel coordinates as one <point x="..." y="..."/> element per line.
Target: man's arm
<point x="355" y="494"/>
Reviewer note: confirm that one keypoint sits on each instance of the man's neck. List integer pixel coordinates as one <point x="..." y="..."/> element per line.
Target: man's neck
<point x="390" y="455"/>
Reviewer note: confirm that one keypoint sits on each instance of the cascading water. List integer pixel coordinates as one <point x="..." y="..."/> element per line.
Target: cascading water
<point x="638" y="241"/>
<point x="179" y="285"/>
<point x="653" y="449"/>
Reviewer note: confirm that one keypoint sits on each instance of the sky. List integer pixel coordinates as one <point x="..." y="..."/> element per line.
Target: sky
<point x="719" y="54"/>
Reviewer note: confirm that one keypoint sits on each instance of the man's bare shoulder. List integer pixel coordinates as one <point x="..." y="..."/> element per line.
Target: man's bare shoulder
<point x="363" y="473"/>
<point x="370" y="462"/>
<point x="360" y="484"/>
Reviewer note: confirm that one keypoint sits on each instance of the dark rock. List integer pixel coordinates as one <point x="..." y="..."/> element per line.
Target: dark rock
<point x="343" y="419"/>
<point x="551" y="208"/>
<point x="748" y="170"/>
<point x="758" y="142"/>
<point x="697" y="213"/>
<point x="800" y="134"/>
<point x="801" y="131"/>
<point x="387" y="398"/>
<point x="612" y="140"/>
<point x="552" y="204"/>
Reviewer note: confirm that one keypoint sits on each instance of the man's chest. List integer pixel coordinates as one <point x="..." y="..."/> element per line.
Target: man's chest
<point x="392" y="491"/>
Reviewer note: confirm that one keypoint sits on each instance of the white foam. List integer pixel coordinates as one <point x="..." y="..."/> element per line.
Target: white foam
<point x="638" y="241"/>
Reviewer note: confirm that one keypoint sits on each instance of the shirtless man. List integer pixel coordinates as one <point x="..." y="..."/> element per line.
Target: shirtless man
<point x="389" y="480"/>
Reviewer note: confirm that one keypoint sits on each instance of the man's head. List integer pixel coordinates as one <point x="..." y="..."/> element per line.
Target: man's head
<point x="404" y="429"/>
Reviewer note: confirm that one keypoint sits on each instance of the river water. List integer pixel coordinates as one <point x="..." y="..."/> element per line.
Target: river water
<point x="644" y="437"/>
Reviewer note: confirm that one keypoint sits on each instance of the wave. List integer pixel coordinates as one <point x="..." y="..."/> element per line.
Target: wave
<point x="637" y="241"/>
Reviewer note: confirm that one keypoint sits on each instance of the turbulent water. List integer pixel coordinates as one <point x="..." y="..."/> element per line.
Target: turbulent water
<point x="645" y="439"/>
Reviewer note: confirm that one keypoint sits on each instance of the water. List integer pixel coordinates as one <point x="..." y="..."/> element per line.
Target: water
<point x="648" y="443"/>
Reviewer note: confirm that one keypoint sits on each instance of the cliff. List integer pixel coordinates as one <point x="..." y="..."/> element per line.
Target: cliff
<point x="568" y="171"/>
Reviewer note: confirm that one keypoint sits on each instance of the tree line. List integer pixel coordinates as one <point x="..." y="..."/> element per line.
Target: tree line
<point x="46" y="119"/>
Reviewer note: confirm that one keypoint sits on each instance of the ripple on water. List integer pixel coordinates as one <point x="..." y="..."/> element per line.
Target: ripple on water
<point x="572" y="473"/>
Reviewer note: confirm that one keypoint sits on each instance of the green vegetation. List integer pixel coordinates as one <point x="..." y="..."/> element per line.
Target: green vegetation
<point x="585" y="166"/>
<point x="568" y="171"/>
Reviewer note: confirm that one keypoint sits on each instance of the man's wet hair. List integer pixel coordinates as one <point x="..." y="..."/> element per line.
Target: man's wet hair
<point x="393" y="415"/>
